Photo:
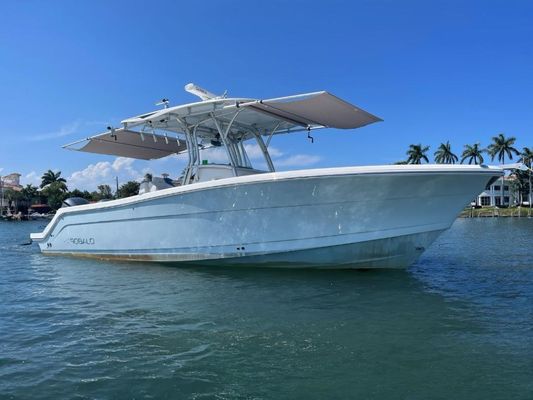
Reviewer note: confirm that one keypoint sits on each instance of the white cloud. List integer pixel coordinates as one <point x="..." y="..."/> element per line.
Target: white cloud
<point x="181" y="158"/>
<point x="124" y="163"/>
<point x="218" y="154"/>
<point x="147" y="170"/>
<point x="254" y="152"/>
<point x="298" y="160"/>
<point x="65" y="130"/>
<point x="104" y="172"/>
<point x="31" y="179"/>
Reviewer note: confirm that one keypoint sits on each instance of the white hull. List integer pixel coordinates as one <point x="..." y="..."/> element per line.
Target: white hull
<point x="357" y="217"/>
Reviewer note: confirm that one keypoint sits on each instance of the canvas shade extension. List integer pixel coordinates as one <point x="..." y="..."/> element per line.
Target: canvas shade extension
<point x="126" y="143"/>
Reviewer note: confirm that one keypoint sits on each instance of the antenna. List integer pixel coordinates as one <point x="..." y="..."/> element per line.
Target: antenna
<point x="163" y="102"/>
<point x="201" y="92"/>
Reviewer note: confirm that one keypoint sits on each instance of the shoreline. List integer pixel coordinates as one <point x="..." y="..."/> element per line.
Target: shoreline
<point x="495" y="212"/>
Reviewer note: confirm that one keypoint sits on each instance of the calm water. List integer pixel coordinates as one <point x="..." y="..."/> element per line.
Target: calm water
<point x="457" y="325"/>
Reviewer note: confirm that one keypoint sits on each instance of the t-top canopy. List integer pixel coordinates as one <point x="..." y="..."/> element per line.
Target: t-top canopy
<point x="226" y="119"/>
<point x="282" y="115"/>
<point x="320" y="108"/>
<point x="126" y="143"/>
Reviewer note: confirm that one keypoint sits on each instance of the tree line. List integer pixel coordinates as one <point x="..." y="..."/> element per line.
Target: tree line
<point x="53" y="191"/>
<point x="501" y="148"/>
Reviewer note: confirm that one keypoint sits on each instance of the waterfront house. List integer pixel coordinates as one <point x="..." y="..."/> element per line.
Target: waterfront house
<point x="491" y="196"/>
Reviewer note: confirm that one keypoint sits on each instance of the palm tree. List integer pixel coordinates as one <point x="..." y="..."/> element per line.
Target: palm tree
<point x="526" y="157"/>
<point x="417" y="153"/>
<point x="444" y="154"/>
<point x="104" y="192"/>
<point x="29" y="193"/>
<point x="55" y="193"/>
<point x="500" y="147"/>
<point x="50" y="177"/>
<point x="473" y="154"/>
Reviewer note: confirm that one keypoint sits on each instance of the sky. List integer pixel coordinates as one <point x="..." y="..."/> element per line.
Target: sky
<point x="432" y="70"/>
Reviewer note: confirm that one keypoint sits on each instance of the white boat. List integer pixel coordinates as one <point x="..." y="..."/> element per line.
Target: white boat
<point x="232" y="214"/>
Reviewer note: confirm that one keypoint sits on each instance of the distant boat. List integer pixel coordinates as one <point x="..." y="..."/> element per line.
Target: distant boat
<point x="233" y="214"/>
<point x="37" y="216"/>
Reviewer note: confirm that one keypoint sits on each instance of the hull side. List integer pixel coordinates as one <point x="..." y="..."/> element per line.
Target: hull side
<point x="358" y="220"/>
<point x="393" y="252"/>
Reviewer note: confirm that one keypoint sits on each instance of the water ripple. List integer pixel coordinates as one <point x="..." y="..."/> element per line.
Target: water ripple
<point x="459" y="323"/>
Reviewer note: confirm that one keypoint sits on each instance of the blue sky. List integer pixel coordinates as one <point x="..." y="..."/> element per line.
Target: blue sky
<point x="434" y="71"/>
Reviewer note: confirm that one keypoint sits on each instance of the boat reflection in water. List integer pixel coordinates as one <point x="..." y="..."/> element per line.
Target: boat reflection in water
<point x="348" y="217"/>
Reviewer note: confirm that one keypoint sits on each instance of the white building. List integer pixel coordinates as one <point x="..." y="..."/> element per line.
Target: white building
<point x="11" y="181"/>
<point x="491" y="196"/>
